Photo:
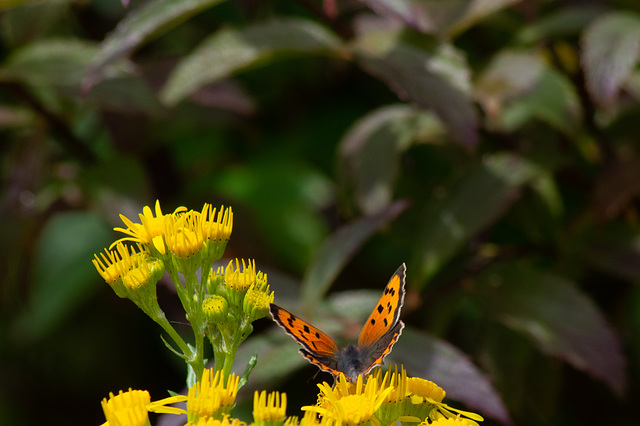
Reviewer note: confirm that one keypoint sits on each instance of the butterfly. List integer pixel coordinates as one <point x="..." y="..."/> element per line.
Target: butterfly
<point x="378" y="335"/>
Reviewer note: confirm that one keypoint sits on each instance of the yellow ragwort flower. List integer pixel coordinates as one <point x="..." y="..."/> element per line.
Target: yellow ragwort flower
<point x="356" y="408"/>
<point x="150" y="229"/>
<point x="426" y="398"/>
<point x="456" y="421"/>
<point x="132" y="408"/>
<point x="216" y="309"/>
<point x="395" y="380"/>
<point x="127" y="270"/>
<point x="212" y="396"/>
<point x="210" y="421"/>
<point x="107" y="267"/>
<point x="256" y="301"/>
<point x="216" y="227"/>
<point x="183" y="234"/>
<point x="269" y="410"/>
<point x="422" y="388"/>
<point x="397" y="405"/>
<point x="240" y="280"/>
<point x="310" y="418"/>
<point x="237" y="281"/>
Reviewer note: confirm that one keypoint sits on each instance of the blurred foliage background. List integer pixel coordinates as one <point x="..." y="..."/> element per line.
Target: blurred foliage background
<point x="492" y="145"/>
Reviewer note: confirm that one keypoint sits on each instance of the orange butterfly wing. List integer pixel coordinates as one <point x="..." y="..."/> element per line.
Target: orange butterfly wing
<point x="386" y="314"/>
<point x="314" y="340"/>
<point x="379" y="334"/>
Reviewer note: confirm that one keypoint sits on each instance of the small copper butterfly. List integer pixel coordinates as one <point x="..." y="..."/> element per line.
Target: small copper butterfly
<point x="379" y="334"/>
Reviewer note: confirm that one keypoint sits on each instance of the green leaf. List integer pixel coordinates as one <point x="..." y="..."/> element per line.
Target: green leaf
<point x="229" y="51"/>
<point x="51" y="62"/>
<point x="151" y="20"/>
<point x="447" y="18"/>
<point x="247" y="371"/>
<point x="556" y="316"/>
<point x="410" y="12"/>
<point x="369" y="152"/>
<point x="518" y="86"/>
<point x="475" y="11"/>
<point x="436" y="80"/>
<point x="510" y="73"/>
<point x="336" y="251"/>
<point x="553" y="100"/>
<point x="568" y="21"/>
<point x="445" y="365"/>
<point x="473" y="203"/>
<point x="611" y="49"/>
<point x="63" y="276"/>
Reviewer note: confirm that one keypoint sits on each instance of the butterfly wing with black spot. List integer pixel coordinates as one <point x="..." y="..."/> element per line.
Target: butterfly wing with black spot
<point x="386" y="314"/>
<point x="314" y="341"/>
<point x="383" y="328"/>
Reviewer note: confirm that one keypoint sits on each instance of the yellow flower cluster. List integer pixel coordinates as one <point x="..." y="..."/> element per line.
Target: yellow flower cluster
<point x="212" y="396"/>
<point x="132" y="408"/>
<point x="383" y="400"/>
<point x="183" y="232"/>
<point x="243" y="287"/>
<point x="221" y="305"/>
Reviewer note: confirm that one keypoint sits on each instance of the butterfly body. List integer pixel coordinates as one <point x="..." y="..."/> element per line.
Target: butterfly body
<point x="378" y="335"/>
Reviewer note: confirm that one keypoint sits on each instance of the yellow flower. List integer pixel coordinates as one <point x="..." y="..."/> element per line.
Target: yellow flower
<point x="150" y="229"/>
<point x="397" y="405"/>
<point x="212" y="396"/>
<point x="210" y="421"/>
<point x="216" y="227"/>
<point x="240" y="280"/>
<point x="131" y="274"/>
<point x="457" y="421"/>
<point x="310" y="418"/>
<point x="183" y="234"/>
<point x="256" y="301"/>
<point x="107" y="266"/>
<point x="425" y="389"/>
<point x="216" y="231"/>
<point x="395" y="380"/>
<point x="237" y="281"/>
<point x="269" y="410"/>
<point x="351" y="406"/>
<point x="216" y="309"/>
<point x="132" y="408"/>
<point x="426" y="400"/>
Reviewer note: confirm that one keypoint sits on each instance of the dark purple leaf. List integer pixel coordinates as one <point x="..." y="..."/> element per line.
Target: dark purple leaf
<point x="149" y="21"/>
<point x="556" y="316"/>
<point x="413" y="74"/>
<point x="230" y="50"/>
<point x="445" y="365"/>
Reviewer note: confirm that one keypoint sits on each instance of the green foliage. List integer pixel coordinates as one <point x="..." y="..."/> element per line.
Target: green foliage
<point x="491" y="145"/>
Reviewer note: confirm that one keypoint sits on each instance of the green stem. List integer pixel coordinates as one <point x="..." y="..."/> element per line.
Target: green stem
<point x="198" y="322"/>
<point x="228" y="363"/>
<point x="162" y="321"/>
